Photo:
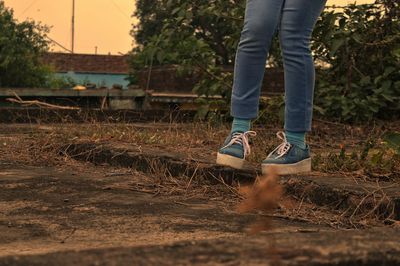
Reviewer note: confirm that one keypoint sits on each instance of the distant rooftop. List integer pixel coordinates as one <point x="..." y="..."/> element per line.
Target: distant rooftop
<point x="87" y="63"/>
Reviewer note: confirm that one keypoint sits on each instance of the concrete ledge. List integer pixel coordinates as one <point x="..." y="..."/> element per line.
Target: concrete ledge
<point x="155" y="161"/>
<point x="40" y="92"/>
<point x="336" y="192"/>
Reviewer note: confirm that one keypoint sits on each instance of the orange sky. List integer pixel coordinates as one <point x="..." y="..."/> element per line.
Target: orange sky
<point x="102" y="23"/>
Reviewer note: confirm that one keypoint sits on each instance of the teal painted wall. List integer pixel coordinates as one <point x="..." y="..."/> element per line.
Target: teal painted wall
<point x="99" y="79"/>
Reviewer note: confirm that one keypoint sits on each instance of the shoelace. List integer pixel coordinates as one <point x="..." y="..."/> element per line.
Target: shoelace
<point x="242" y="139"/>
<point x="282" y="148"/>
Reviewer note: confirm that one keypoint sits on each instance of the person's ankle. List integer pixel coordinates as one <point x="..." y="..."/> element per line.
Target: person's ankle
<point x="297" y="139"/>
<point x="240" y="125"/>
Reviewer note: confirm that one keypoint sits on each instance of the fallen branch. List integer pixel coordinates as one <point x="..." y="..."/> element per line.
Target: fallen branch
<point x="39" y="103"/>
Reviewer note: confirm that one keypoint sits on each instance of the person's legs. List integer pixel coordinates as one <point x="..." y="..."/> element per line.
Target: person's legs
<point x="297" y="23"/>
<point x="295" y="29"/>
<point x="261" y="20"/>
<point x="260" y="23"/>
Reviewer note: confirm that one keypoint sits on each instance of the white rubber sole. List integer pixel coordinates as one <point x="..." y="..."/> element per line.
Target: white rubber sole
<point x="303" y="166"/>
<point x="228" y="160"/>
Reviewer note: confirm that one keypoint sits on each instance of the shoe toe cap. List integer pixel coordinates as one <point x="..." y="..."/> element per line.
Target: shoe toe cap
<point x="232" y="151"/>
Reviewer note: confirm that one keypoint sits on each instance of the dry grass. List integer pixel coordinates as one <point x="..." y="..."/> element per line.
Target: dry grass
<point x="41" y="145"/>
<point x="337" y="148"/>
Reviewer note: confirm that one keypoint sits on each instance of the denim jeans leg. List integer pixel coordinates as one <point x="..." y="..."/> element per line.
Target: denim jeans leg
<point x="298" y="20"/>
<point x="260" y="23"/>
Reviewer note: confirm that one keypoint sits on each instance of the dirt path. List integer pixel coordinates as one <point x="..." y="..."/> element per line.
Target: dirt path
<point x="49" y="209"/>
<point x="140" y="203"/>
<point x="94" y="216"/>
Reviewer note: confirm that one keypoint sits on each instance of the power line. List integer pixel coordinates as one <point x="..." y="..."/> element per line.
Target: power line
<point x="120" y="9"/>
<point x="60" y="45"/>
<point x="29" y="6"/>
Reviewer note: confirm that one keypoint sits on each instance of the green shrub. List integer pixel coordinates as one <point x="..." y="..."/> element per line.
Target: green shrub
<point x="357" y="51"/>
<point x="21" y="47"/>
<point x="361" y="47"/>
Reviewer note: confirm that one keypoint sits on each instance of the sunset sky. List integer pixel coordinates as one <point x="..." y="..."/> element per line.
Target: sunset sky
<point x="102" y="23"/>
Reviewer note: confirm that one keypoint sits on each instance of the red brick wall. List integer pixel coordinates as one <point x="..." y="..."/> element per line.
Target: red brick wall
<point x="165" y="79"/>
<point x="87" y="63"/>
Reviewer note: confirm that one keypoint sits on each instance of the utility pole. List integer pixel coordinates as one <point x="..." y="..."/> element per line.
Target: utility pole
<point x="73" y="27"/>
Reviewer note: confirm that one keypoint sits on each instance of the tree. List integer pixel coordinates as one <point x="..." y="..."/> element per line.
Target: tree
<point x="216" y="23"/>
<point x="357" y="51"/>
<point x="361" y="45"/>
<point x="21" y="47"/>
<point x="151" y="14"/>
<point x="199" y="36"/>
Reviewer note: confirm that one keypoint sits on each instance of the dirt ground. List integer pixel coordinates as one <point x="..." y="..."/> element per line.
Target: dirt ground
<point x="55" y="210"/>
<point x="46" y="209"/>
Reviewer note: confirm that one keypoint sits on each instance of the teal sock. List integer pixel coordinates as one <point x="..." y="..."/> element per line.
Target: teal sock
<point x="296" y="138"/>
<point x="241" y="125"/>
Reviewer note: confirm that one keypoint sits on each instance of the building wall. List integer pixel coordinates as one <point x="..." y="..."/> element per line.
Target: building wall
<point x="164" y="79"/>
<point x="107" y="80"/>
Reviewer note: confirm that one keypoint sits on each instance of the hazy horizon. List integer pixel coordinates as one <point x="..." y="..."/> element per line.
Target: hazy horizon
<point x="105" y="25"/>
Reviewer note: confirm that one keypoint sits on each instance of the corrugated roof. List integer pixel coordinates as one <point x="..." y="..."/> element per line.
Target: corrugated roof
<point x="87" y="63"/>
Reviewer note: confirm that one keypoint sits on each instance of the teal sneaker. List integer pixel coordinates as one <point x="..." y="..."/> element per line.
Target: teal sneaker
<point x="236" y="148"/>
<point x="287" y="159"/>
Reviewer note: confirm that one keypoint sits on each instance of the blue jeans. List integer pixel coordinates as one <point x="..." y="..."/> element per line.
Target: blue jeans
<point x="295" y="20"/>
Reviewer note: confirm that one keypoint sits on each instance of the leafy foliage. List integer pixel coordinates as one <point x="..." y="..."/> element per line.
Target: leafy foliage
<point x="21" y="45"/>
<point x="361" y="46"/>
<point x="357" y="51"/>
<point x="196" y="35"/>
<point x="374" y="160"/>
<point x="392" y="140"/>
<point x="212" y="23"/>
<point x="59" y="82"/>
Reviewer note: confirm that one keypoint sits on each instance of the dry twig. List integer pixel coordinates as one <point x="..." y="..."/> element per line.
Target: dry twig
<point x="40" y="104"/>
